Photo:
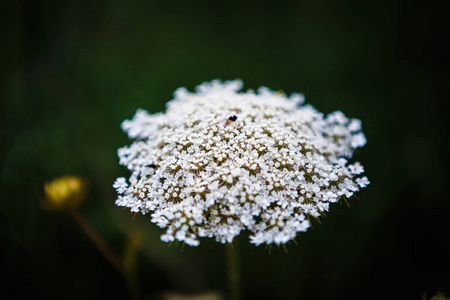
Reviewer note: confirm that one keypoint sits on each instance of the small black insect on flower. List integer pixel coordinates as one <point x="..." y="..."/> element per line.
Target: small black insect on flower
<point x="232" y="118"/>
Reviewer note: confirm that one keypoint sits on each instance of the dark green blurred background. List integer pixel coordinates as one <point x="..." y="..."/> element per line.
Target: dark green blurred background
<point x="72" y="71"/>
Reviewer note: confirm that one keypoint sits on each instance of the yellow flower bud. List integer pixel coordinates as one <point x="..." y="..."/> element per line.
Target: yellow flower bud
<point x="65" y="193"/>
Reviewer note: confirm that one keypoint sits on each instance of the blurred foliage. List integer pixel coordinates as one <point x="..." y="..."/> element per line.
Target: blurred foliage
<point x="72" y="71"/>
<point x="439" y="296"/>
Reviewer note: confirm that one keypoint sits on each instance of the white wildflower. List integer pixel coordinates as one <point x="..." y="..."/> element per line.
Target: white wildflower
<point x="120" y="185"/>
<point x="218" y="162"/>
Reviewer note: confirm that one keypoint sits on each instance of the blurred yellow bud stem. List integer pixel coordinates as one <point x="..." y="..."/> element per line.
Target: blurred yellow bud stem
<point x="98" y="241"/>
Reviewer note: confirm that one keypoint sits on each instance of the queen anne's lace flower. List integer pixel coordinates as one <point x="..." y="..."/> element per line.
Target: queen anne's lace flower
<point x="218" y="162"/>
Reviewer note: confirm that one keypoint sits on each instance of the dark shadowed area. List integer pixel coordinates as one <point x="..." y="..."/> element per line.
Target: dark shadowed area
<point x="72" y="71"/>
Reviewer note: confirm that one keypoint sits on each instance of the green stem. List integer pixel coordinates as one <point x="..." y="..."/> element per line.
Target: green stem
<point x="98" y="241"/>
<point x="130" y="263"/>
<point x="234" y="274"/>
<point x="127" y="270"/>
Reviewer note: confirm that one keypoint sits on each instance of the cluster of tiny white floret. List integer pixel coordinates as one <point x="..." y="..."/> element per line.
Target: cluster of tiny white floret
<point x="220" y="161"/>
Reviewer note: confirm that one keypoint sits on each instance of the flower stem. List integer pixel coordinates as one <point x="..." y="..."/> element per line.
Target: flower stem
<point x="98" y="241"/>
<point x="234" y="280"/>
<point x="130" y="263"/>
<point x="127" y="266"/>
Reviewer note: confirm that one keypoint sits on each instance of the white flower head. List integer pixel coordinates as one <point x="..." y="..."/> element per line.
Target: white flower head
<point x="220" y="161"/>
